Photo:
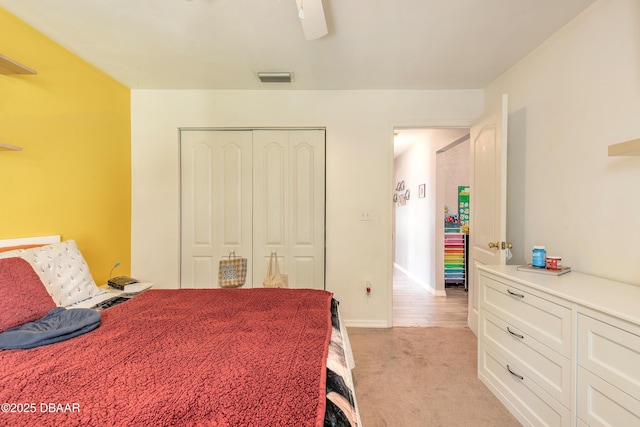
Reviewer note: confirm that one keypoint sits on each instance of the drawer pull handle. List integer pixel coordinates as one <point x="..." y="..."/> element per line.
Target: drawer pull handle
<point x="515" y="294"/>
<point x="520" y="377"/>
<point x="514" y="334"/>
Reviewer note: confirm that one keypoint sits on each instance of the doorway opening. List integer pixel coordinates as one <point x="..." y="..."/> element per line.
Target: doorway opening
<point x="429" y="166"/>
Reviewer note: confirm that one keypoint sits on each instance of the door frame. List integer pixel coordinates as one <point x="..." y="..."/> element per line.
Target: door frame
<point x="392" y="126"/>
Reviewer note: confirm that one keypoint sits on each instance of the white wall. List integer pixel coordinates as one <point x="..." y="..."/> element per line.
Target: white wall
<point x="572" y="97"/>
<point x="415" y="220"/>
<point x="359" y="126"/>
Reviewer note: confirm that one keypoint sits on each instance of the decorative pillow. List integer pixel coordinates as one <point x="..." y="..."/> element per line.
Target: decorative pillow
<point x="62" y="269"/>
<point x="23" y="298"/>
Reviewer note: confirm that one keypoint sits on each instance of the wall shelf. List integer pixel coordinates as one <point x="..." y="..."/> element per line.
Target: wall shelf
<point x="9" y="66"/>
<point x="4" y="147"/>
<point x="629" y="148"/>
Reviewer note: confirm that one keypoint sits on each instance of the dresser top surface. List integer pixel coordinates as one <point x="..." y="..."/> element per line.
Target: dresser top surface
<point x="608" y="296"/>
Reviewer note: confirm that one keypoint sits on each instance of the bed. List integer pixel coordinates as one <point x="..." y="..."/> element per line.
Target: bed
<point x="201" y="357"/>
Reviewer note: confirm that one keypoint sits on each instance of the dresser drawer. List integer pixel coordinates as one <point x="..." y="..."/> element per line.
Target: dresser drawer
<point x="540" y="318"/>
<point x="525" y="399"/>
<point x="547" y="368"/>
<point x="611" y="353"/>
<point x="602" y="404"/>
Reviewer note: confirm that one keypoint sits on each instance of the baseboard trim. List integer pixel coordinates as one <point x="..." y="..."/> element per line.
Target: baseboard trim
<point x="363" y="323"/>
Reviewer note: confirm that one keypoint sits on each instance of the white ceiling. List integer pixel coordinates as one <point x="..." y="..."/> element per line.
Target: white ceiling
<point x="376" y="44"/>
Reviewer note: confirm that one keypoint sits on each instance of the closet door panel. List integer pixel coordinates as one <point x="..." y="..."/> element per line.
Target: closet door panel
<point x="289" y="204"/>
<point x="201" y="272"/>
<point x="273" y="197"/>
<point x="304" y="271"/>
<point x="303" y="195"/>
<point x="216" y="187"/>
<point x="270" y="202"/>
<point x="200" y="194"/>
<point x="306" y="240"/>
<point x="231" y="190"/>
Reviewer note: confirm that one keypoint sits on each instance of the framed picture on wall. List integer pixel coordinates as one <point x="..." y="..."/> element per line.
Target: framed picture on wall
<point x="421" y="188"/>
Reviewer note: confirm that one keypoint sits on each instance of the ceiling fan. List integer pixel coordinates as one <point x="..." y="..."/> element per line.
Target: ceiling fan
<point x="311" y="16"/>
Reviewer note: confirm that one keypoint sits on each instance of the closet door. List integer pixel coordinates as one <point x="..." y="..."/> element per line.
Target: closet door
<point x="253" y="192"/>
<point x="289" y="204"/>
<point x="216" y="181"/>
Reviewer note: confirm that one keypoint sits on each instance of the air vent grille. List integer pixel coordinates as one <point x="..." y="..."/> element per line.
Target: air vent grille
<point x="275" y="76"/>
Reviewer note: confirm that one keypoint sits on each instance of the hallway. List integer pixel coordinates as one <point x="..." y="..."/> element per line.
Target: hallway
<point x="415" y="306"/>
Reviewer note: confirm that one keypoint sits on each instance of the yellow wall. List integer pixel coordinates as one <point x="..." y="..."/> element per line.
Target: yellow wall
<point x="73" y="176"/>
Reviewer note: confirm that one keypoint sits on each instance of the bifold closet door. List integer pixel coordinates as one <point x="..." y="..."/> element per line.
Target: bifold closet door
<point x="216" y="180"/>
<point x="289" y="204"/>
<point x="253" y="192"/>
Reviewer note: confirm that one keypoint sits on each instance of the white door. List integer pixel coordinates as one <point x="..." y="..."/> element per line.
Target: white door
<point x="488" y="200"/>
<point x="216" y="181"/>
<point x="253" y="192"/>
<point x="288" y="204"/>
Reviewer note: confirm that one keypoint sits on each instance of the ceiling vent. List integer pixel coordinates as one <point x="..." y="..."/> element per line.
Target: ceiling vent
<point x="275" y="76"/>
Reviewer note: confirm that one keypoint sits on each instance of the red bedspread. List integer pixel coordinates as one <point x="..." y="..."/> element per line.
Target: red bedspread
<point x="216" y="357"/>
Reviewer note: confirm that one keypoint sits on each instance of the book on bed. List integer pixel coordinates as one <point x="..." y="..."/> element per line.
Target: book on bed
<point x="121" y="282"/>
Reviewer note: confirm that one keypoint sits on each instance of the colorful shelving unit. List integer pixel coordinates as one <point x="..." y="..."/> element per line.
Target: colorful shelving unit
<point x="454" y="257"/>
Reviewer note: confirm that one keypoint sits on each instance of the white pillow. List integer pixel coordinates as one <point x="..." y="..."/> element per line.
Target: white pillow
<point x="62" y="269"/>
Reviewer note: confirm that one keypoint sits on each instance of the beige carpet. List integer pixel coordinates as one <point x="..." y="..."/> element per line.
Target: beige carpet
<point x="422" y="377"/>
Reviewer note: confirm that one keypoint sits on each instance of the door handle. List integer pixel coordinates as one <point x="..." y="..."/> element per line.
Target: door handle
<point x="500" y="245"/>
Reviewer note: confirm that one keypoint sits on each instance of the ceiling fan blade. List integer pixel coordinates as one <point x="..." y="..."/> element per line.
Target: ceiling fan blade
<point x="314" y="23"/>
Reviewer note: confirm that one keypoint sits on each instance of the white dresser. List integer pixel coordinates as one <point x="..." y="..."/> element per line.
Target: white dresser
<point x="560" y="350"/>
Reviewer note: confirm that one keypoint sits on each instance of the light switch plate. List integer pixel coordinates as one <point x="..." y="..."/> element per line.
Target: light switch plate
<point x="365" y="215"/>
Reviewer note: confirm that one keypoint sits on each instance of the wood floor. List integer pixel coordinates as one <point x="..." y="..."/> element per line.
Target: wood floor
<point x="415" y="306"/>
